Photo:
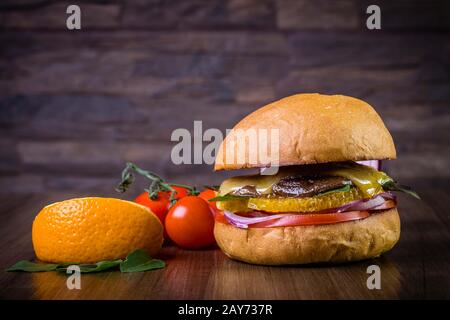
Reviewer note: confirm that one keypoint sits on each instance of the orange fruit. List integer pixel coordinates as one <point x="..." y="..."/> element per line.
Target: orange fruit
<point x="86" y="230"/>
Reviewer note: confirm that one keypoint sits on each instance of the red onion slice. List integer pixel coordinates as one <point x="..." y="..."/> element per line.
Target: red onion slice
<point x="363" y="204"/>
<point x="388" y="204"/>
<point x="243" y="222"/>
<point x="376" y="164"/>
<point x="387" y="195"/>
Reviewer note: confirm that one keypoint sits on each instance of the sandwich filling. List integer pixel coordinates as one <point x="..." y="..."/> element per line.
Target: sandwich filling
<point x="321" y="189"/>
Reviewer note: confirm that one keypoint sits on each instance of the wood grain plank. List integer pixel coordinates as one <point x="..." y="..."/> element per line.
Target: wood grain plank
<point x="317" y="15"/>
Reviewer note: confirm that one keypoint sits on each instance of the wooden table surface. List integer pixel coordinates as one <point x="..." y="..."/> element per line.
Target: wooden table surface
<point x="418" y="267"/>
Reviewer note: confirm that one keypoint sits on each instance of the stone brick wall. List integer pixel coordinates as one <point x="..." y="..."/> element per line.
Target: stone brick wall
<point x="75" y="105"/>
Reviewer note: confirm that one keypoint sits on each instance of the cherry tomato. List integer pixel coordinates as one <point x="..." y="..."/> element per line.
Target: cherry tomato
<point x="209" y="194"/>
<point x="190" y="223"/>
<point x="160" y="206"/>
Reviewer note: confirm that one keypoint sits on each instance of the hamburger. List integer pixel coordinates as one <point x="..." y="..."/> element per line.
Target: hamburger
<point x="327" y="201"/>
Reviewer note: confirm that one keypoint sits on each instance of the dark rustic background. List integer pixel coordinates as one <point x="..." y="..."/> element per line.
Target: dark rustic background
<point x="76" y="105"/>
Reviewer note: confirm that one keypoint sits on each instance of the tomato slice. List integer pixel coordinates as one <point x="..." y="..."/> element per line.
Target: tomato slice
<point x="310" y="219"/>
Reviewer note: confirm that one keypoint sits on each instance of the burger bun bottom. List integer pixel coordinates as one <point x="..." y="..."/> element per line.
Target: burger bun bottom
<point x="331" y="243"/>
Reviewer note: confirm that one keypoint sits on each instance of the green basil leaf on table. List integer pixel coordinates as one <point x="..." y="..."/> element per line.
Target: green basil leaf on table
<point x="136" y="261"/>
<point x="139" y="261"/>
<point x="95" y="267"/>
<point x="27" y="266"/>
